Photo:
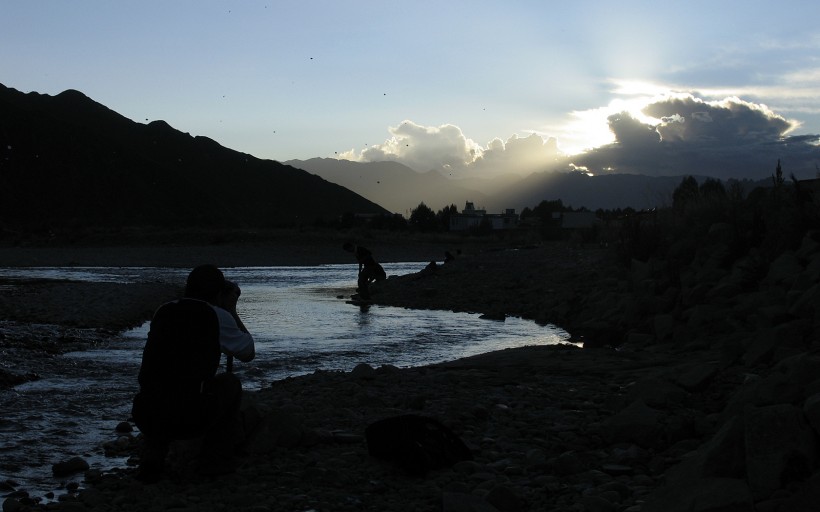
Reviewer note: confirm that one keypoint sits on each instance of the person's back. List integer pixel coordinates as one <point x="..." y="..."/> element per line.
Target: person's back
<point x="181" y="354"/>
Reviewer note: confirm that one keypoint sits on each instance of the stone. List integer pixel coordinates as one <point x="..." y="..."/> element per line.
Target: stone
<point x="664" y="326"/>
<point x="505" y="499"/>
<point x="697" y="377"/>
<point x="784" y="269"/>
<point x="70" y="466"/>
<point x="124" y="427"/>
<point x="362" y="371"/>
<point x="780" y="448"/>
<point x="811" y="409"/>
<point x="638" y="423"/>
<point x="702" y="495"/>
<point x="462" y="502"/>
<point x="12" y="505"/>
<point x="656" y="392"/>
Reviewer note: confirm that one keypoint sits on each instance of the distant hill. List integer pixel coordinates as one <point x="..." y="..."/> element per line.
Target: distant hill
<point x="393" y="185"/>
<point x="67" y="160"/>
<point x="606" y="191"/>
<point x="400" y="188"/>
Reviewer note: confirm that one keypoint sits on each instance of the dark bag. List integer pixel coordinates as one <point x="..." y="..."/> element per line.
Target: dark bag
<point x="415" y="443"/>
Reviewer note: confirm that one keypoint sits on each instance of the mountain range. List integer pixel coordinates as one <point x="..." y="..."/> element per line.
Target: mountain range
<point x="400" y="188"/>
<point x="68" y="161"/>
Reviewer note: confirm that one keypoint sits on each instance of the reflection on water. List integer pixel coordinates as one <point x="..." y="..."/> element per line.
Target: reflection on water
<point x="301" y="323"/>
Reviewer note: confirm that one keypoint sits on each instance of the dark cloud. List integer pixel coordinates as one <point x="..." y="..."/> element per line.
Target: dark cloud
<point x="730" y="121"/>
<point x="726" y="139"/>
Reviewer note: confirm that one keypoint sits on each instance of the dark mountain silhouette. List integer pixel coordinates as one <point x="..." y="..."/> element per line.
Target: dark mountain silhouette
<point x="393" y="185"/>
<point x="399" y="187"/>
<point x="67" y="161"/>
<point x="605" y="191"/>
<point x="577" y="189"/>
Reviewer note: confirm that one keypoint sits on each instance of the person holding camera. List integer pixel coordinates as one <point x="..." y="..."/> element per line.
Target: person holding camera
<point x="181" y="395"/>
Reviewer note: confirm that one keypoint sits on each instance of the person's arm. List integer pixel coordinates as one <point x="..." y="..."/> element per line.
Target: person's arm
<point x="233" y="335"/>
<point x="234" y="338"/>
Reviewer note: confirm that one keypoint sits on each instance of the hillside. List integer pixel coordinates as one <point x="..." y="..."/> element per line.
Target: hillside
<point x="67" y="161"/>
<point x="393" y="185"/>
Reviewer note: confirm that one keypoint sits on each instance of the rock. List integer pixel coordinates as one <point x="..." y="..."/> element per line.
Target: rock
<point x="697" y="377"/>
<point x="362" y="371"/>
<point x="278" y="429"/>
<point x="703" y="495"/>
<point x="13" y="505"/>
<point x="722" y="456"/>
<point x="597" y="504"/>
<point x="780" y="448"/>
<point x="806" y="498"/>
<point x="664" y="327"/>
<point x="124" y="427"/>
<point x="70" y="466"/>
<point x="505" y="499"/>
<point x="638" y="423"/>
<point x="761" y="349"/>
<point x="462" y="502"/>
<point x="656" y="392"/>
<point x="811" y="409"/>
<point x="784" y="269"/>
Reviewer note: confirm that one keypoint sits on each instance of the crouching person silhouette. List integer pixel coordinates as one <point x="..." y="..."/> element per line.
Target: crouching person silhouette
<point x="181" y="395"/>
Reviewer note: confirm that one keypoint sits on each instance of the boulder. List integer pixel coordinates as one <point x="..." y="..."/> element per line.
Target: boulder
<point x="811" y="410"/>
<point x="638" y="423"/>
<point x="70" y="466"/>
<point x="780" y="448"/>
<point x="705" y="495"/>
<point x="656" y="392"/>
<point x="696" y="377"/>
<point x="784" y="269"/>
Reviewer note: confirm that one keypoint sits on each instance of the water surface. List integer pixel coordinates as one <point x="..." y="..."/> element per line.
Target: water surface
<point x="301" y="323"/>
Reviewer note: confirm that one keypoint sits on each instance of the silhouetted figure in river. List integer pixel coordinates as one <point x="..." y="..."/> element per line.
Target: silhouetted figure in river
<point x="369" y="269"/>
<point x="181" y="396"/>
<point x="448" y="257"/>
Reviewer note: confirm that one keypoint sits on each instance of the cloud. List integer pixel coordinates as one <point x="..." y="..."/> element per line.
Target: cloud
<point x="423" y="148"/>
<point x="729" y="121"/>
<point x="670" y="135"/>
<point x="728" y="138"/>
<point x="446" y="149"/>
<point x="519" y="155"/>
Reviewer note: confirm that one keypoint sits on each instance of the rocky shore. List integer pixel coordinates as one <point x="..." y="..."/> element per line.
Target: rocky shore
<point x="711" y="401"/>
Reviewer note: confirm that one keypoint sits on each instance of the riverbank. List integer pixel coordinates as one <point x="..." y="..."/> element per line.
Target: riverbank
<point x="710" y="403"/>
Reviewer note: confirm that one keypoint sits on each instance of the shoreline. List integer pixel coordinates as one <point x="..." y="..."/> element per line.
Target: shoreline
<point x="702" y="370"/>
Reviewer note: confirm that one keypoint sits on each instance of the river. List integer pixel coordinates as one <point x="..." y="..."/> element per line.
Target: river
<point x="301" y="322"/>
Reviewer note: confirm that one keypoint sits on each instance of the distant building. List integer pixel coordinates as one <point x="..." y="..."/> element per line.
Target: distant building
<point x="472" y="218"/>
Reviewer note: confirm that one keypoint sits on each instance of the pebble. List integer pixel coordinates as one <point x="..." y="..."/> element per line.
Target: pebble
<point x="70" y="466"/>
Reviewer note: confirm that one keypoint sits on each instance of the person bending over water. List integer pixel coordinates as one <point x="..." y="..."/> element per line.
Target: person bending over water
<point x="181" y="395"/>
<point x="369" y="269"/>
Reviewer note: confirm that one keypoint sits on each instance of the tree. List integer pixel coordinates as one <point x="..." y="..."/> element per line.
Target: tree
<point x="423" y="218"/>
<point x="444" y="215"/>
<point x="777" y="177"/>
<point x="685" y="194"/>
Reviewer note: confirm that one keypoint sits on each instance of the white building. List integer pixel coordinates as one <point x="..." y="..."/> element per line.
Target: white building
<point x="472" y="218"/>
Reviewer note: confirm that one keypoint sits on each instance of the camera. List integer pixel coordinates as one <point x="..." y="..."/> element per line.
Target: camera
<point x="230" y="286"/>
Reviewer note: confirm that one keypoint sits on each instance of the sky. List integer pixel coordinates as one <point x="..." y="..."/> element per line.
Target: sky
<point x="470" y="88"/>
